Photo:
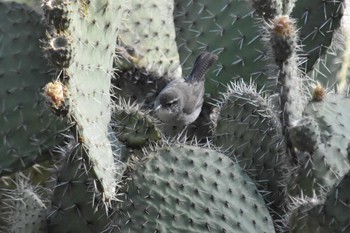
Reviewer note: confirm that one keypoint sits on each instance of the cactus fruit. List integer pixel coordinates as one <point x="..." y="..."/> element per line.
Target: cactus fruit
<point x="55" y="92"/>
<point x="27" y="128"/>
<point x="191" y="189"/>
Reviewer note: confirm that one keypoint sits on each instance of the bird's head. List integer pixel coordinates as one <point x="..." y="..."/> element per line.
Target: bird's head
<point x="168" y="105"/>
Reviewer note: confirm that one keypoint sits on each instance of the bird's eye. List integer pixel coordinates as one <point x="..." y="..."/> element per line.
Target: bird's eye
<point x="168" y="104"/>
<point x="174" y="101"/>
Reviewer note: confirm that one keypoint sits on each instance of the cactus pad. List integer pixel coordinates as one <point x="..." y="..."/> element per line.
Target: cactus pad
<point x="251" y="133"/>
<point x="85" y="34"/>
<point x="191" y="189"/>
<point x="28" y="130"/>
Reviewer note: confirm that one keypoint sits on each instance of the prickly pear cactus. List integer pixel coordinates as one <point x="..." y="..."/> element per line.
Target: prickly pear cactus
<point x="279" y="137"/>
<point x="82" y="43"/>
<point x="332" y="215"/>
<point x="251" y="132"/>
<point x="327" y="135"/>
<point x="28" y="130"/>
<point x="74" y="188"/>
<point x="26" y="209"/>
<point x="230" y="30"/>
<point x="147" y="57"/>
<point x="133" y="126"/>
<point x="317" y="21"/>
<point x="148" y="38"/>
<point x="191" y="189"/>
<point x="33" y="4"/>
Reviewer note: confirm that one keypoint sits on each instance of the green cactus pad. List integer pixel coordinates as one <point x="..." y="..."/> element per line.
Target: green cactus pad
<point x="289" y="83"/>
<point x="150" y="32"/>
<point x="147" y="57"/>
<point x="336" y="206"/>
<point x="134" y="127"/>
<point x="191" y="189"/>
<point x="305" y="134"/>
<point x="331" y="63"/>
<point x="331" y="216"/>
<point x="74" y="206"/>
<point x="304" y="218"/>
<point x="326" y="156"/>
<point x="317" y="21"/>
<point x="91" y="32"/>
<point x="251" y="133"/>
<point x="28" y="129"/>
<point x="229" y="29"/>
<point x="268" y="9"/>
<point x="302" y="181"/>
<point x="330" y="160"/>
<point x="25" y="208"/>
<point x="33" y="4"/>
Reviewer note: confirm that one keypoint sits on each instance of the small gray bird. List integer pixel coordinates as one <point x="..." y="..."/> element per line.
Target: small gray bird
<point x="180" y="102"/>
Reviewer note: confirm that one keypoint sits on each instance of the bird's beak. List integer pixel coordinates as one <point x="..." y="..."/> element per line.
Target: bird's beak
<point x="158" y="107"/>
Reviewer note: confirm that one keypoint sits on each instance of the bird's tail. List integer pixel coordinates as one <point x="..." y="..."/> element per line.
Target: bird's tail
<point x="201" y="66"/>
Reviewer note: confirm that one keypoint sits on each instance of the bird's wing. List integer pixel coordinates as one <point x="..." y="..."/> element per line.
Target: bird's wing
<point x="194" y="97"/>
